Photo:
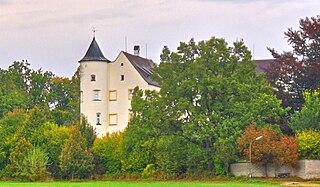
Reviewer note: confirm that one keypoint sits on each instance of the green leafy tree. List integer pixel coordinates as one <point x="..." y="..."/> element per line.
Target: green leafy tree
<point x="16" y="158"/>
<point x="309" y="116"/>
<point x="34" y="165"/>
<point x="53" y="138"/>
<point x="109" y="149"/>
<point x="208" y="84"/>
<point x="309" y="144"/>
<point x="171" y="155"/>
<point x="297" y="71"/>
<point x="64" y="99"/>
<point x="9" y="125"/>
<point x="76" y="161"/>
<point x="13" y="90"/>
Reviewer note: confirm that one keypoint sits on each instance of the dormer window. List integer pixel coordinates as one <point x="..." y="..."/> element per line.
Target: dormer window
<point x="93" y="77"/>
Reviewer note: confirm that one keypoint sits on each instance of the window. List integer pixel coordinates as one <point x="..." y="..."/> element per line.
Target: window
<point x="81" y="96"/>
<point x="113" y="119"/>
<point x="98" y="118"/>
<point x="121" y="64"/>
<point x="112" y="95"/>
<point x="122" y="78"/>
<point x="96" y="95"/>
<point x="93" y="77"/>
<point x="130" y="94"/>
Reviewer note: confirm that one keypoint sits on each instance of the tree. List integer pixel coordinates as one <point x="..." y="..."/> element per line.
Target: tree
<point x="309" y="116"/>
<point x="34" y="165"/>
<point x="287" y="151"/>
<point x="9" y="126"/>
<point x="294" y="72"/>
<point x="16" y="158"/>
<point x="309" y="144"/>
<point x="52" y="140"/>
<point x="208" y="85"/>
<point x="109" y="149"/>
<point x="76" y="161"/>
<point x="271" y="148"/>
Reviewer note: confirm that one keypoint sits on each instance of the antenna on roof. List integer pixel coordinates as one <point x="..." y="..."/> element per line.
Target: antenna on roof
<point x="253" y="51"/>
<point x="94" y="30"/>
<point x="126" y="43"/>
<point x="146" y="50"/>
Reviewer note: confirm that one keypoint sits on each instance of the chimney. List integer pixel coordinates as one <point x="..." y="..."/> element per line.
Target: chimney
<point x="136" y="50"/>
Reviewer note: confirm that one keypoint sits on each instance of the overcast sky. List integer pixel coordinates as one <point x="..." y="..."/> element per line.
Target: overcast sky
<point x="54" y="34"/>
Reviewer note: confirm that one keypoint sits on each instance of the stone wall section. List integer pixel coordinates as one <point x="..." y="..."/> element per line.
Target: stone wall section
<point x="306" y="169"/>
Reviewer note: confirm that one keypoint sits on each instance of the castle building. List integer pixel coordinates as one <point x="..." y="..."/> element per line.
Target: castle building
<point x="106" y="87"/>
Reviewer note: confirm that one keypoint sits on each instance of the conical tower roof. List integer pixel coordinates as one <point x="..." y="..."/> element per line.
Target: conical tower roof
<point x="94" y="53"/>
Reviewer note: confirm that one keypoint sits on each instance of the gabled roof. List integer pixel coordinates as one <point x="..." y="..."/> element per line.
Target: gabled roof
<point x="262" y="65"/>
<point x="143" y="66"/>
<point x="94" y="53"/>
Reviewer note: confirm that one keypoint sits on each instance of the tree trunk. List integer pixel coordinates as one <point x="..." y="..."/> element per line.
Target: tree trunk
<point x="266" y="170"/>
<point x="210" y="161"/>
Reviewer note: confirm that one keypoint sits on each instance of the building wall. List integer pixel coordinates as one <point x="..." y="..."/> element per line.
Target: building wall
<point x="122" y="106"/>
<point x="89" y="105"/>
<point x="115" y="102"/>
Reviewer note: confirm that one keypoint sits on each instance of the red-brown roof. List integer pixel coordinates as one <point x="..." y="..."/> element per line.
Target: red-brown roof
<point x="263" y="64"/>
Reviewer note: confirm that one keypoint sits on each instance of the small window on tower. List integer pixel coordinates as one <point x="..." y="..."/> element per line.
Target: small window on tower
<point x="96" y="95"/>
<point x="121" y="64"/>
<point x="81" y="96"/>
<point x="93" y="77"/>
<point x="122" y="78"/>
<point x="98" y="118"/>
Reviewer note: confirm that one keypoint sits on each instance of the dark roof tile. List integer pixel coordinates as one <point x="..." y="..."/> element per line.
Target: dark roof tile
<point x="143" y="66"/>
<point x="94" y="53"/>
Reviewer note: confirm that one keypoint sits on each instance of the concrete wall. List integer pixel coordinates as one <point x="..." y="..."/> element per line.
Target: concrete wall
<point x="306" y="169"/>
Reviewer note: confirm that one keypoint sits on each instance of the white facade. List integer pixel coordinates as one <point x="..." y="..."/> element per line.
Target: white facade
<point x="106" y="88"/>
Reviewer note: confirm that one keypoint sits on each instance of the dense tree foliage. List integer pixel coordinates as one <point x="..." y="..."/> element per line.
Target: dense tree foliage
<point x="294" y="72"/>
<point x="309" y="116"/>
<point x="309" y="144"/>
<point x="109" y="149"/>
<point x="24" y="88"/>
<point x="34" y="165"/>
<point x="209" y="93"/>
<point x="33" y="107"/>
<point x="272" y="147"/>
<point x="76" y="160"/>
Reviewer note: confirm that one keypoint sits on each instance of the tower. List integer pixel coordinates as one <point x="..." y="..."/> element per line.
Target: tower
<point x="94" y="87"/>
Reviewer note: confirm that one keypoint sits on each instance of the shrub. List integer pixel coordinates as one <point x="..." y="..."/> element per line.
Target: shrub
<point x="34" y="165"/>
<point x="309" y="144"/>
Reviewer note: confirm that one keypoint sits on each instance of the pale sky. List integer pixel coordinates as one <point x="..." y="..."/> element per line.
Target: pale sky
<point x="54" y="34"/>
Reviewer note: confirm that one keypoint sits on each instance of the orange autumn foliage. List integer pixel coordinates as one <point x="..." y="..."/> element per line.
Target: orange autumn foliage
<point x="271" y="148"/>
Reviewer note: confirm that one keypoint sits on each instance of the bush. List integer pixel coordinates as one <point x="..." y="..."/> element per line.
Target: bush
<point x="109" y="149"/>
<point x="76" y="161"/>
<point x="309" y="144"/>
<point x="34" y="165"/>
<point x="171" y="155"/>
<point x="309" y="116"/>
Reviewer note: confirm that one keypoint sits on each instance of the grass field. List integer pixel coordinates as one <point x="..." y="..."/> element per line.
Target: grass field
<point x="141" y="184"/>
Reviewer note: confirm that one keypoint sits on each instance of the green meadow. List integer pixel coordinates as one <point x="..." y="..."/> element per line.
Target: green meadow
<point x="140" y="184"/>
